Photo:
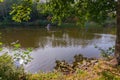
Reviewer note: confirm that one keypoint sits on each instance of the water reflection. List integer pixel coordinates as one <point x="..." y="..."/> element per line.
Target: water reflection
<point x="59" y="44"/>
<point x="35" y="39"/>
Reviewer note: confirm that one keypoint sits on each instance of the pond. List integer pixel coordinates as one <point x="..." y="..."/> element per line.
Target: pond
<point x="58" y="44"/>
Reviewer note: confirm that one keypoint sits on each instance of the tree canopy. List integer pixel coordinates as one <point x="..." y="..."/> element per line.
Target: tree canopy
<point x="85" y="10"/>
<point x="21" y="11"/>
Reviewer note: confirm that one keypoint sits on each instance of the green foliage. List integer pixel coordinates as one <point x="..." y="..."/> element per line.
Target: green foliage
<point x="21" y="54"/>
<point x="100" y="10"/>
<point x="8" y="71"/>
<point x="58" y="8"/>
<point x="106" y="53"/>
<point x="1" y="0"/>
<point x="21" y="12"/>
<point x="85" y="10"/>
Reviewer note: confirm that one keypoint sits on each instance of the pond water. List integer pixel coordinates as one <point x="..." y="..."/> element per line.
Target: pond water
<point x="58" y="44"/>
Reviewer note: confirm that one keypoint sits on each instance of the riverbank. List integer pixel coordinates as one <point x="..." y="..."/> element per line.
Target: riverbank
<point x="44" y="23"/>
<point x="34" y="24"/>
<point x="83" y="69"/>
<point x="100" y="70"/>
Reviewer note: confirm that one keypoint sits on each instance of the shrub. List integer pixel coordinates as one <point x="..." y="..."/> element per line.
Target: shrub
<point x="8" y="71"/>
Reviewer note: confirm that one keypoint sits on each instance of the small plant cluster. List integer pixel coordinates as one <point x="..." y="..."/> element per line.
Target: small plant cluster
<point x="106" y="53"/>
<point x="20" y="54"/>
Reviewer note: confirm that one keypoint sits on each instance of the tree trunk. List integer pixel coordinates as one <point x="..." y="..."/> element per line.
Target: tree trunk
<point x="117" y="45"/>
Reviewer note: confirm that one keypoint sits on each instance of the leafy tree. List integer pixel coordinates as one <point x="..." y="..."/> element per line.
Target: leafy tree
<point x="5" y="8"/>
<point x="21" y="11"/>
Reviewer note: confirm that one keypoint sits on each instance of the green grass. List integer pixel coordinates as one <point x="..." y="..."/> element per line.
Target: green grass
<point x="106" y="75"/>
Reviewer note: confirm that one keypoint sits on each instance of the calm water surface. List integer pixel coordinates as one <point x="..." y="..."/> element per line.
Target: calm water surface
<point x="58" y="44"/>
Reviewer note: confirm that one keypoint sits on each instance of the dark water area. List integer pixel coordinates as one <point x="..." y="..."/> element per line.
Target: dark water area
<point x="58" y="44"/>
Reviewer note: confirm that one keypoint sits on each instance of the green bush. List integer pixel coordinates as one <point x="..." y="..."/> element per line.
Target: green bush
<point x="8" y="70"/>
